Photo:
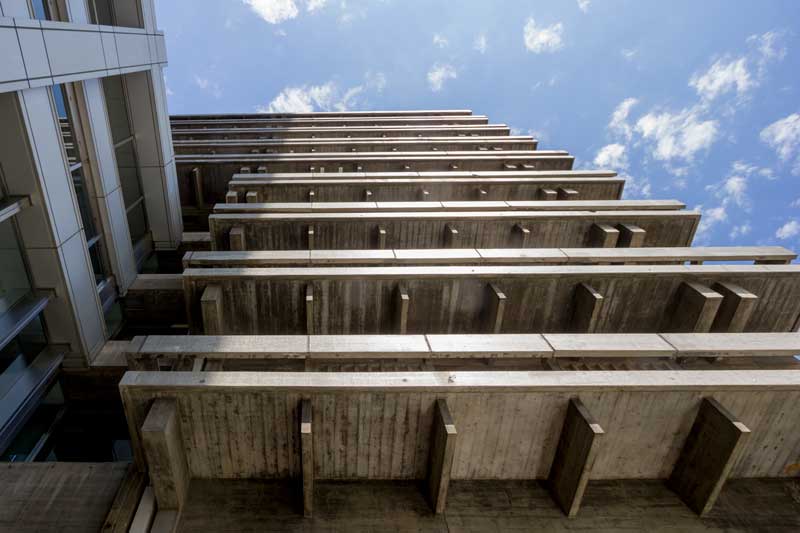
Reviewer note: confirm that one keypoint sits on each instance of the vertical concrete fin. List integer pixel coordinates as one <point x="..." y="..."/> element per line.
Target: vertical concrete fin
<point x="575" y="456"/>
<point x="442" y="451"/>
<point x="708" y="455"/>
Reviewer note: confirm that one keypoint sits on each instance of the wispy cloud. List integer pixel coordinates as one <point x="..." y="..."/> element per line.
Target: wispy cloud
<point x="439" y="74"/>
<point x="324" y="97"/>
<point x="629" y="53"/>
<point x="277" y="11"/>
<point x="440" y="40"/>
<point x="740" y="230"/>
<point x="740" y="75"/>
<point x="584" y="5"/>
<point x="314" y="5"/>
<point x="709" y="218"/>
<point x="679" y="136"/>
<point x="540" y="39"/>
<point x="783" y="136"/>
<point x="612" y="156"/>
<point x="481" y="43"/>
<point x="723" y="77"/>
<point x="208" y="85"/>
<point x="790" y="229"/>
<point x="273" y="11"/>
<point x="619" y="118"/>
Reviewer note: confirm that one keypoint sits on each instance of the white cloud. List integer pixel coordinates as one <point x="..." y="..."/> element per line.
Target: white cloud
<point x="540" y="39"/>
<point x="723" y="77"/>
<point x="629" y="53"/>
<point x="740" y="231"/>
<point x="481" y="43"/>
<point x="677" y="136"/>
<point x="769" y="46"/>
<point x="710" y="218"/>
<point x="273" y="11"/>
<point x="735" y="187"/>
<point x="439" y="73"/>
<point x="376" y="80"/>
<point x="440" y="40"/>
<point x="324" y="97"/>
<point x="584" y="5"/>
<point x="277" y="11"/>
<point x="201" y="82"/>
<point x="619" y="118"/>
<point x="795" y="203"/>
<point x="304" y="99"/>
<point x="636" y="187"/>
<point x="314" y="5"/>
<point x="788" y="230"/>
<point x="783" y="136"/>
<point x="612" y="156"/>
<point x="208" y="85"/>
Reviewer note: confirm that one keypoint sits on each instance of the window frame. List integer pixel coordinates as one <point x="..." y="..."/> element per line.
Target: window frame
<point x="122" y="143"/>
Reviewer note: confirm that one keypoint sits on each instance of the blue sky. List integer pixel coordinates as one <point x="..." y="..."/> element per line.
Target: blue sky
<point x="693" y="100"/>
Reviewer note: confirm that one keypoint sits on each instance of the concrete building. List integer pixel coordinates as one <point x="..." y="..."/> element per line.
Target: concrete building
<point x="359" y="320"/>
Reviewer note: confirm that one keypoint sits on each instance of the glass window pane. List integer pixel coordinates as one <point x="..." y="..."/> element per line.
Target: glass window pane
<point x="65" y="121"/>
<point x="128" y="173"/>
<point x="19" y="353"/>
<point x="82" y="193"/>
<point x="137" y="222"/>
<point x="14" y="282"/>
<point x="40" y="9"/>
<point x="101" y="12"/>
<point x="117" y="108"/>
<point x="97" y="262"/>
<point x="127" y="164"/>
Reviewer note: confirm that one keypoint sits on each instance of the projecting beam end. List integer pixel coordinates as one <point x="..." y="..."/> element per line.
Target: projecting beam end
<point x="575" y="456"/>
<point x="166" y="460"/>
<point x="711" y="449"/>
<point x="307" y="457"/>
<point x="442" y="451"/>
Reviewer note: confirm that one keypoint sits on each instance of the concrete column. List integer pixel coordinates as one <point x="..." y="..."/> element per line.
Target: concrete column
<point x="34" y="164"/>
<point x="150" y="124"/>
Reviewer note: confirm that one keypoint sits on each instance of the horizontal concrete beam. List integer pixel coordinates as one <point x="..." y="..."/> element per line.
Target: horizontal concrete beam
<point x="358" y="300"/>
<point x="646" y="416"/>
<point x="479" y="256"/>
<point x="226" y="132"/>
<point x="484" y="346"/>
<point x="315" y="114"/>
<point x="332" y="121"/>
<point x="361" y="144"/>
<point x="496" y="205"/>
<point x="477" y="229"/>
<point x="405" y="186"/>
